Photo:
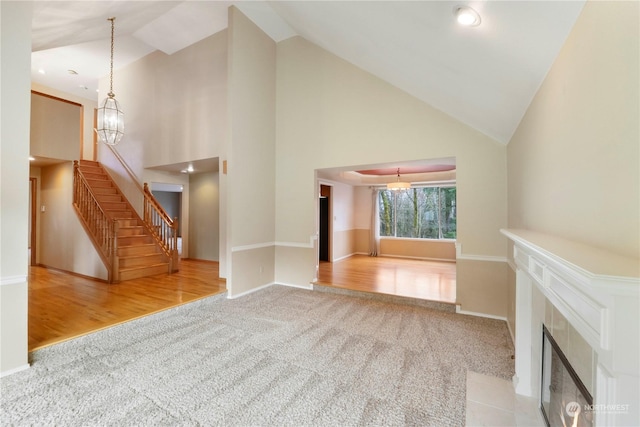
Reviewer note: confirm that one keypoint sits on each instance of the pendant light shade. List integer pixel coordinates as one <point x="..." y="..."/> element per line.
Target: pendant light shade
<point x="110" y="116"/>
<point x="110" y="121"/>
<point x="398" y="185"/>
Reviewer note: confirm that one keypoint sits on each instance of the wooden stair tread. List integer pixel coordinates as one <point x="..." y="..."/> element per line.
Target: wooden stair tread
<point x="138" y="252"/>
<point x="141" y="267"/>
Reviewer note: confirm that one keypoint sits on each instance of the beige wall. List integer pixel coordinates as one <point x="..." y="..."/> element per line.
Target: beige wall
<point x="574" y="161"/>
<point x="204" y="216"/>
<point x="56" y="128"/>
<point x="251" y="156"/>
<point x="439" y="250"/>
<point x="175" y="105"/>
<point x="332" y="114"/>
<point x="362" y="236"/>
<point x="88" y="108"/>
<point x="481" y="287"/>
<point x="344" y="244"/>
<point x="356" y="241"/>
<point x="15" y="45"/>
<point x="175" y="111"/>
<point x="63" y="242"/>
<point x="289" y="256"/>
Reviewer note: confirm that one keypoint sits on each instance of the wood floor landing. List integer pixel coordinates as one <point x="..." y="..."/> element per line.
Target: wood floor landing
<point x="428" y="280"/>
<point x="63" y="306"/>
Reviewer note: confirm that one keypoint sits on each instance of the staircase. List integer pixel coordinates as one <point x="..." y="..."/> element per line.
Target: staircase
<point x="135" y="252"/>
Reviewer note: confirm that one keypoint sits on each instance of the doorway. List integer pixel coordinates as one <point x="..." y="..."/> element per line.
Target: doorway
<point x="33" y="208"/>
<point x="324" y="244"/>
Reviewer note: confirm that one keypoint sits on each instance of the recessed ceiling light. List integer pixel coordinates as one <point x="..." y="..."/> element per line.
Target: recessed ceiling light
<point x="74" y="72"/>
<point x="41" y="71"/>
<point x="466" y="16"/>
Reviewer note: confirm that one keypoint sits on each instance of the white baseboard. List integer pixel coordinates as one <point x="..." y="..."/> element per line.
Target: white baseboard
<point x="292" y="285"/>
<point x="473" y="313"/>
<point x="12" y="280"/>
<point x="308" y="287"/>
<point x="14" y="370"/>
<point x="418" y="258"/>
<point x="250" y="291"/>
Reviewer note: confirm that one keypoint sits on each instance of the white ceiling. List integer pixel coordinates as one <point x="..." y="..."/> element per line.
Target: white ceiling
<point x="484" y="76"/>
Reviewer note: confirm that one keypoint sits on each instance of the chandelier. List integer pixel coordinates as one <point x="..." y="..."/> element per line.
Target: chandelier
<point x="110" y="116"/>
<point x="398" y="185"/>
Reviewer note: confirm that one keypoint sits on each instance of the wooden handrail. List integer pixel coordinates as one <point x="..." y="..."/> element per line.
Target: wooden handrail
<point x="162" y="227"/>
<point x="102" y="230"/>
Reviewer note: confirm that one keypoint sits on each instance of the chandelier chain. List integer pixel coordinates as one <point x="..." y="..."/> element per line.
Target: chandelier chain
<point x="111" y="94"/>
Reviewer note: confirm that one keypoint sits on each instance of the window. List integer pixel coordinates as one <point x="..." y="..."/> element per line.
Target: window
<point x="419" y="213"/>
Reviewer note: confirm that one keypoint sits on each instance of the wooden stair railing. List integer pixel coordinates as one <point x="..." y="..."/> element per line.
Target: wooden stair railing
<point x="164" y="229"/>
<point x="161" y="226"/>
<point x="102" y="230"/>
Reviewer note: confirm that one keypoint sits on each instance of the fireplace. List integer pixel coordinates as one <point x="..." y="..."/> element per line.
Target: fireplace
<point x="596" y="297"/>
<point x="564" y="400"/>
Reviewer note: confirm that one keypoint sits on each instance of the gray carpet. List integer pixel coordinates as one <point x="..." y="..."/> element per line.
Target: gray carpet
<point x="281" y="356"/>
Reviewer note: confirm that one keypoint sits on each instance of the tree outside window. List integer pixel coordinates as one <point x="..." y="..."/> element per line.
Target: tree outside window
<point x="419" y="213"/>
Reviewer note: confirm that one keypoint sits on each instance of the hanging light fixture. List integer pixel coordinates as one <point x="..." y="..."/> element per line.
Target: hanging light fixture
<point x="398" y="185"/>
<point x="110" y="116"/>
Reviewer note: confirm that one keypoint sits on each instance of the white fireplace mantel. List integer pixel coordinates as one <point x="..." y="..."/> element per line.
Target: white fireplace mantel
<point x="599" y="294"/>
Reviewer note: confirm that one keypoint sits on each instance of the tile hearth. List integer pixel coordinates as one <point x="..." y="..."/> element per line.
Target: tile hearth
<point x="492" y="401"/>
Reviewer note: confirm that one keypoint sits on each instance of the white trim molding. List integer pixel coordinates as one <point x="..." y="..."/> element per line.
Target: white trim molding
<point x="470" y="257"/>
<point x="473" y="313"/>
<point x="308" y="287"/>
<point x="250" y="291"/>
<point x="14" y="370"/>
<point x="13" y="280"/>
<point x="259" y="288"/>
<point x="252" y="246"/>
<point x="309" y="245"/>
<point x="598" y="293"/>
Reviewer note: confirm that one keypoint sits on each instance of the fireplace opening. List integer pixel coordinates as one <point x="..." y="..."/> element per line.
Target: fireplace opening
<point x="565" y="401"/>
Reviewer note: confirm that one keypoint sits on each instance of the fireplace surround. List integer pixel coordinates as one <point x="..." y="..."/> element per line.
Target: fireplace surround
<point x="597" y="296"/>
<point x="564" y="399"/>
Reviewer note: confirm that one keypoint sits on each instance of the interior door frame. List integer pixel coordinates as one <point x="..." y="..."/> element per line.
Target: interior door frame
<point x="33" y="189"/>
<point x="328" y="193"/>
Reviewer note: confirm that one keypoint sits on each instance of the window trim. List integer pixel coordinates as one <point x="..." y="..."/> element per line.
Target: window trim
<point x="419" y="185"/>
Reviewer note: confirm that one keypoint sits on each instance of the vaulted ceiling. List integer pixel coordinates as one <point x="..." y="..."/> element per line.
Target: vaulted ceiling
<point x="484" y="76"/>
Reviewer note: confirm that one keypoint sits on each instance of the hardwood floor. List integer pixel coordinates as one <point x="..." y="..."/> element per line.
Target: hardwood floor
<point x="63" y="306"/>
<point x="428" y="280"/>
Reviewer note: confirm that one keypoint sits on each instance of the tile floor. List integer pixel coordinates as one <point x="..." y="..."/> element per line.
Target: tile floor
<point x="493" y="402"/>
